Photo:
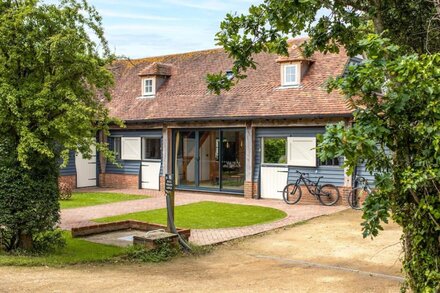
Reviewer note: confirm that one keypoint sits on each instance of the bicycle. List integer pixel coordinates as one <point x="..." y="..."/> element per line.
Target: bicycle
<point x="362" y="190"/>
<point x="327" y="194"/>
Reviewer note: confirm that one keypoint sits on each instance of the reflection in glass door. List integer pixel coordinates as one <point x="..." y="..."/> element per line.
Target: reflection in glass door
<point x="209" y="175"/>
<point x="186" y="158"/>
<point x="233" y="160"/>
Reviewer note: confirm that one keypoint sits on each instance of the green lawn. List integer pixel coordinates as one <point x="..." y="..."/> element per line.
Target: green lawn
<point x="76" y="251"/>
<point x="83" y="199"/>
<point x="206" y="215"/>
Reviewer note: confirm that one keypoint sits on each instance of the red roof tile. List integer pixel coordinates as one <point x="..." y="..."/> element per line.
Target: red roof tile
<point x="184" y="95"/>
<point x="156" y="69"/>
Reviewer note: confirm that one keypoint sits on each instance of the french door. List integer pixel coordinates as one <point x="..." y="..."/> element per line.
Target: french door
<point x="210" y="159"/>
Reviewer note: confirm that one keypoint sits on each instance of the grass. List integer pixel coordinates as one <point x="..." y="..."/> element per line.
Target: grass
<point x="206" y="215"/>
<point x="75" y="251"/>
<point x="84" y="199"/>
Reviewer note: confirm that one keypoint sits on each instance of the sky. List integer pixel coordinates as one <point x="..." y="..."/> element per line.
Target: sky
<point x="143" y="28"/>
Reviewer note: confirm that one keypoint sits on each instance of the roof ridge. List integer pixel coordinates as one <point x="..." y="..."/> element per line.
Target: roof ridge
<point x="159" y="58"/>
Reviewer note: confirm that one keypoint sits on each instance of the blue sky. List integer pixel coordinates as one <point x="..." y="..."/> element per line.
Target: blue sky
<point x="157" y="27"/>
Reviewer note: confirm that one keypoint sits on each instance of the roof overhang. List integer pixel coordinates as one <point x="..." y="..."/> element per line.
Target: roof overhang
<point x="241" y="118"/>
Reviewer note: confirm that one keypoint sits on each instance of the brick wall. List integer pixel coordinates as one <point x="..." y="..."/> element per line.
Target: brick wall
<point x="248" y="189"/>
<point x="162" y="183"/>
<point x="119" y="181"/>
<point x="69" y="180"/>
<point x="309" y="199"/>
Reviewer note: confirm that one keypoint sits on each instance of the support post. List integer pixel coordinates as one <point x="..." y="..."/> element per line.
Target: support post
<point x="249" y="185"/>
<point x="165" y="146"/>
<point x="348" y="179"/>
<point x="169" y="191"/>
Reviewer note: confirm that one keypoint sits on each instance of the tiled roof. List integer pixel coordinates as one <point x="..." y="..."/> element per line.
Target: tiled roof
<point x="184" y="95"/>
<point x="156" y="69"/>
<point x="295" y="54"/>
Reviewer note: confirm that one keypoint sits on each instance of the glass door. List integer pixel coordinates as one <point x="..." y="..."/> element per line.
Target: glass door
<point x="211" y="159"/>
<point x="233" y="160"/>
<point x="185" y="159"/>
<point x="208" y="152"/>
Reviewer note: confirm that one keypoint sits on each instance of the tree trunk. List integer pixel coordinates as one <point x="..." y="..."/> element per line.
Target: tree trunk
<point x="25" y="241"/>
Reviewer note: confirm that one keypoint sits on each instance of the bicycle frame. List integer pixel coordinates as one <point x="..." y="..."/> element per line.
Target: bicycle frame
<point x="363" y="184"/>
<point x="309" y="184"/>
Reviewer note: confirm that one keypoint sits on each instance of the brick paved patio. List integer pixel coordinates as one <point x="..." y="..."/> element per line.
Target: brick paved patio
<point x="82" y="216"/>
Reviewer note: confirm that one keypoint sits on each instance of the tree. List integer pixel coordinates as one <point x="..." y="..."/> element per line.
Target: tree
<point x="54" y="80"/>
<point x="394" y="94"/>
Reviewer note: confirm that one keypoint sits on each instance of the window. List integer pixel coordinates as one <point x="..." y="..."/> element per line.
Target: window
<point x="331" y="162"/>
<point x="301" y="151"/>
<point x="294" y="151"/>
<point x="275" y="150"/>
<point x="229" y="74"/>
<point x="148" y="87"/>
<point x="116" y="147"/>
<point x="131" y="148"/>
<point x="151" y="149"/>
<point x="290" y="74"/>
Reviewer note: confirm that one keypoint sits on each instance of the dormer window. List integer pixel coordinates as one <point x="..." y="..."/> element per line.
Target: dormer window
<point x="153" y="77"/>
<point x="229" y="74"/>
<point x="290" y="75"/>
<point x="148" y="87"/>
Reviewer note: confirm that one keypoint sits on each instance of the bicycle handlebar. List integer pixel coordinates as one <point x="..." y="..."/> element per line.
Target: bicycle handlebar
<point x="361" y="179"/>
<point x="304" y="174"/>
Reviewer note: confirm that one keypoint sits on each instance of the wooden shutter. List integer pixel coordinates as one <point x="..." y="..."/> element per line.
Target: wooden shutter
<point x="301" y="151"/>
<point x="131" y="148"/>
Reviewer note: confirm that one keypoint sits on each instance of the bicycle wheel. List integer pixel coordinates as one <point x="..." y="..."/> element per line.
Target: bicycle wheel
<point x="354" y="197"/>
<point x="292" y="193"/>
<point x="328" y="194"/>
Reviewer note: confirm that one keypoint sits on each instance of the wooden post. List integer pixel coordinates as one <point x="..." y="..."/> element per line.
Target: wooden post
<point x="169" y="191"/>
<point x="348" y="179"/>
<point x="165" y="146"/>
<point x="171" y="195"/>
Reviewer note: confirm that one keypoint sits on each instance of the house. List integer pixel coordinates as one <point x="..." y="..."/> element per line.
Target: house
<point x="248" y="141"/>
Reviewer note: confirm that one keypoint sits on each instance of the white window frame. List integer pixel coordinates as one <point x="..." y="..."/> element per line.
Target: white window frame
<point x="284" y="74"/>
<point x="153" y="87"/>
<point x="131" y="148"/>
<point x="304" y="157"/>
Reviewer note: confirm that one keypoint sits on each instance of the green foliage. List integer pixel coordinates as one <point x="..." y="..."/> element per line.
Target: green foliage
<point x="394" y="94"/>
<point x="162" y="253"/>
<point x="275" y="150"/>
<point x="48" y="241"/>
<point x="397" y="134"/>
<point x="28" y="198"/>
<point x="412" y="24"/>
<point x="206" y="215"/>
<point x="54" y="81"/>
<point x="54" y="76"/>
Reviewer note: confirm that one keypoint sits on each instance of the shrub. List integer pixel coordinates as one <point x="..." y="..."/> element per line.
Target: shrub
<point x="163" y="252"/>
<point x="48" y="241"/>
<point x="28" y="198"/>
